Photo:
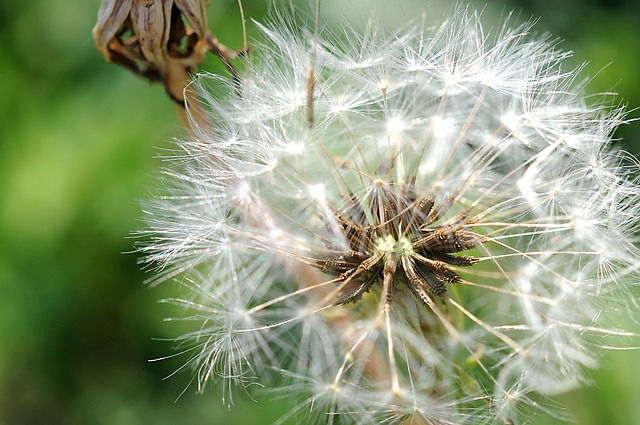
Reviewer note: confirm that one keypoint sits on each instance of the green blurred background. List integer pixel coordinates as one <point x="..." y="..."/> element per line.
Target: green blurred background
<point x="78" y="139"/>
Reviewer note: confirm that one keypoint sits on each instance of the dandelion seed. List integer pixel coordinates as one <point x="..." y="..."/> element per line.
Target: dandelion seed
<point x="438" y="236"/>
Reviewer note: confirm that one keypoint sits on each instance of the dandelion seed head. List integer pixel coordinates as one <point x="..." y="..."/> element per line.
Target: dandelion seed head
<point x="440" y="243"/>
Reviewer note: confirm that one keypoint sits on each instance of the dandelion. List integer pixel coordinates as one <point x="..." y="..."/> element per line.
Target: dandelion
<point x="427" y="225"/>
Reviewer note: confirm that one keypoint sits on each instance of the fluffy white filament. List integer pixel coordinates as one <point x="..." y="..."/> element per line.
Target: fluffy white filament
<point x="488" y="124"/>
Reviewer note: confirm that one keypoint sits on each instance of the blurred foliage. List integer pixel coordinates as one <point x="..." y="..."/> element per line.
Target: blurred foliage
<point x="77" y="146"/>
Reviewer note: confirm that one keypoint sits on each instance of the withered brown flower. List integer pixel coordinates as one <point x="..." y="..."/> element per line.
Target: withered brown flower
<point x="160" y="40"/>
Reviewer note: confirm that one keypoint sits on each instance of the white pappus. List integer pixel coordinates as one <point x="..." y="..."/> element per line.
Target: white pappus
<point x="425" y="225"/>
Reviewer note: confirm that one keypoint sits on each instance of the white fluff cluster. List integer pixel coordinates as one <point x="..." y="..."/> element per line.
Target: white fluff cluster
<point x="418" y="226"/>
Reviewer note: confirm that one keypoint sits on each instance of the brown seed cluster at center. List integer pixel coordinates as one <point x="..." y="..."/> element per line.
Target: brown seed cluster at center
<point x="392" y="237"/>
